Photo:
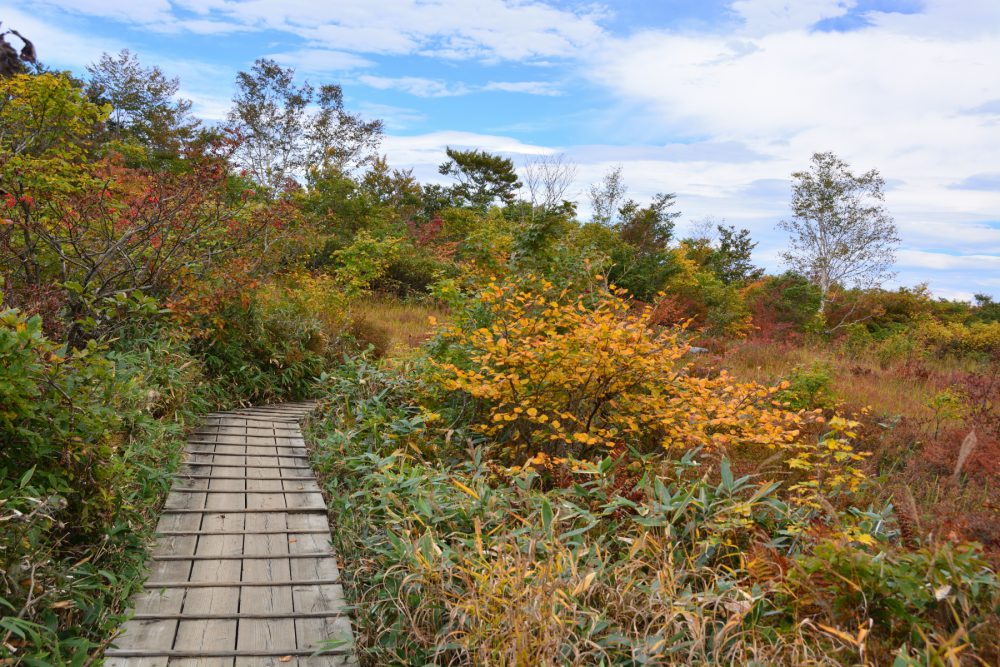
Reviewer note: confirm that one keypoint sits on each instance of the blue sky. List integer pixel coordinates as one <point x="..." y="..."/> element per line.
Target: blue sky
<point x="715" y="100"/>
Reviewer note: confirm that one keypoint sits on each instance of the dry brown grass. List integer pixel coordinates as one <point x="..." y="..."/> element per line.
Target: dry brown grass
<point x="404" y="325"/>
<point x="857" y="379"/>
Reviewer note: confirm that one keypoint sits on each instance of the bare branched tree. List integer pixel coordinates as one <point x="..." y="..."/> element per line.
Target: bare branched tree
<point x="706" y="229"/>
<point x="607" y="196"/>
<point x="841" y="232"/>
<point x="548" y="178"/>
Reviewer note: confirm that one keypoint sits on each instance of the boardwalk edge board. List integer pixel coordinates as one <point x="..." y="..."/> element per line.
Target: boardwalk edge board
<point x="154" y="585"/>
<point x="263" y="510"/>
<point x="283" y="491"/>
<point x="322" y="554"/>
<point x="264" y="653"/>
<point x="218" y="533"/>
<point x="237" y="617"/>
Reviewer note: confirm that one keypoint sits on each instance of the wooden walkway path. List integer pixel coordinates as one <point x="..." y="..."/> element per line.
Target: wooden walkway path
<point x="242" y="573"/>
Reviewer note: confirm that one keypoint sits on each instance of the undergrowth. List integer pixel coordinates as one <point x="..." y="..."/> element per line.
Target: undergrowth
<point x="626" y="558"/>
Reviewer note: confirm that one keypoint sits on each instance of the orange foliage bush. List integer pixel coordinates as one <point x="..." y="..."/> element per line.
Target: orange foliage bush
<point x="577" y="376"/>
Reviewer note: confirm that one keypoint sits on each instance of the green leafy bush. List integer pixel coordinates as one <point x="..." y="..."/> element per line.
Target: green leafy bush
<point x="272" y="343"/>
<point x="809" y="387"/>
<point x="88" y="439"/>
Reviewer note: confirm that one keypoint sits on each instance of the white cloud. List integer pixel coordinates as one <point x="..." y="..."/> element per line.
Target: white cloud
<point x="939" y="261"/>
<point x="527" y="87"/>
<point x="486" y="29"/>
<point x="424" y="87"/>
<point x="138" y="11"/>
<point x="415" y="85"/>
<point x="429" y="148"/>
<point x="393" y="117"/>
<point x="321" y="61"/>
<point x="424" y="152"/>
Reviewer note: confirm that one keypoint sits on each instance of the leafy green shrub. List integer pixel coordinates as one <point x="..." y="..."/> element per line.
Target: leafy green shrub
<point x="412" y="272"/>
<point x="809" y="387"/>
<point x="58" y="410"/>
<point x="88" y="439"/>
<point x="272" y="343"/>
<point x="783" y="305"/>
<point x="898" y="347"/>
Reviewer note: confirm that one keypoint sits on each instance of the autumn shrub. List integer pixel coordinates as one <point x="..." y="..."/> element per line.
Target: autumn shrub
<point x="783" y="307"/>
<point x="82" y="224"/>
<point x="982" y="338"/>
<point x="580" y="375"/>
<point x="720" y="309"/>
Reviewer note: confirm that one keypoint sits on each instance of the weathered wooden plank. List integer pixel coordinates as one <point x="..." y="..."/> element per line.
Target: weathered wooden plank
<point x="188" y="476"/>
<point x="151" y="635"/>
<point x="271" y="651"/>
<point x="247" y="510"/>
<point x="284" y="531"/>
<point x="160" y="661"/>
<point x="277" y="488"/>
<point x="241" y="615"/>
<point x="234" y="466"/>
<point x="280" y="443"/>
<point x="156" y="585"/>
<point x="242" y="556"/>
<point x="266" y="457"/>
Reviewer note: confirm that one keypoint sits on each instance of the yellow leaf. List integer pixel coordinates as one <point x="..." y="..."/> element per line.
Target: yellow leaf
<point x="463" y="487"/>
<point x="584" y="585"/>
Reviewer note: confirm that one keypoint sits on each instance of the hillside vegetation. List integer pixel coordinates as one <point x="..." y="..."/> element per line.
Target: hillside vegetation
<point x="546" y="439"/>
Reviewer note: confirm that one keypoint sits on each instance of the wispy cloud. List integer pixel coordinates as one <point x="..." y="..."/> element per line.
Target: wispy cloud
<point x="423" y="87"/>
<point x="527" y="87"/>
<point x="454" y="29"/>
<point x="415" y="85"/>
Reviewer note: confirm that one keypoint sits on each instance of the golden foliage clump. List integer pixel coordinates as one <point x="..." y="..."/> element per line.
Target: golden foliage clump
<point x="574" y="375"/>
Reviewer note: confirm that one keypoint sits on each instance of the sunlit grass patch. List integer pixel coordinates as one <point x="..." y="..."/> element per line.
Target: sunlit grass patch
<point x="398" y="326"/>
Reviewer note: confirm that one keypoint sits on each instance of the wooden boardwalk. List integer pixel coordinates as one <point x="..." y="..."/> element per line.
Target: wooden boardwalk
<point x="242" y="573"/>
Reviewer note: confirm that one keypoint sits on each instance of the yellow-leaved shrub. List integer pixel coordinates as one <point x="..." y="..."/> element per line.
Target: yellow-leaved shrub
<point x="578" y="375"/>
